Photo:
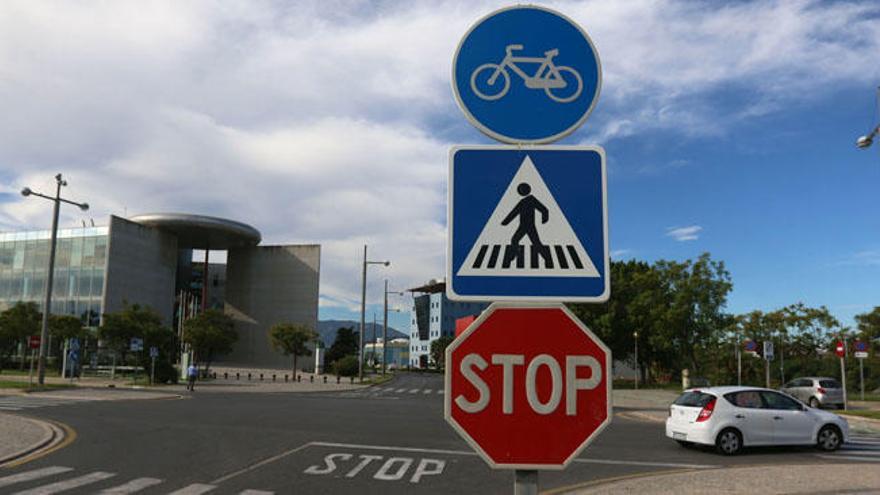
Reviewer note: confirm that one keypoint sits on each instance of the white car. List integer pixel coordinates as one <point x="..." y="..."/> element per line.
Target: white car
<point x="731" y="418"/>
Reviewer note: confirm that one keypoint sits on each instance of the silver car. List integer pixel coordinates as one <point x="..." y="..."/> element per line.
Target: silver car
<point x="817" y="391"/>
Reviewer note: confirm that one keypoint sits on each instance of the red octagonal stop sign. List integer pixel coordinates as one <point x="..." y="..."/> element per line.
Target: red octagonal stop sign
<point x="528" y="387"/>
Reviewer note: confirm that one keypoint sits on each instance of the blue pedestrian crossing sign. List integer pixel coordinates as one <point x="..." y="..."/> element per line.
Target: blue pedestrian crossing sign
<point x="527" y="224"/>
<point x="526" y="74"/>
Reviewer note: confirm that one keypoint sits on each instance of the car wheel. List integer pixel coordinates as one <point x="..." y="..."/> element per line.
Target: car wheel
<point x="814" y="403"/>
<point x="685" y="444"/>
<point x="729" y="442"/>
<point x="829" y="438"/>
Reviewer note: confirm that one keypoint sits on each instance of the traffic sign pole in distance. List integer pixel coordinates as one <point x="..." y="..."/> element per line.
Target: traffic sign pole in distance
<point x="527" y="224"/>
<point x="526" y="74"/>
<point x="522" y="399"/>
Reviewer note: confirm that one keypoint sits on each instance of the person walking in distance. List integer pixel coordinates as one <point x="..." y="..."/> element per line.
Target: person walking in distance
<point x="525" y="209"/>
<point x="191" y="373"/>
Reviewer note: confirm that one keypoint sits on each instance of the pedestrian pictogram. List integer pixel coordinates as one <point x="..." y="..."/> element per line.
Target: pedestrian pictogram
<point x="527" y="224"/>
<point x="520" y="216"/>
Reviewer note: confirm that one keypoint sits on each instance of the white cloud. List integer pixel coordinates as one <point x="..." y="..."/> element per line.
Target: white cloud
<point x="619" y="254"/>
<point x="681" y="234"/>
<point x="329" y="122"/>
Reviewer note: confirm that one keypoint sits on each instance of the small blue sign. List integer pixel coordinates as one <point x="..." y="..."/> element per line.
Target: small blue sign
<point x="74" y="344"/>
<point x="73" y="357"/>
<point x="861" y="346"/>
<point x="527" y="224"/>
<point x="137" y="344"/>
<point x="154" y="352"/>
<point x="526" y="74"/>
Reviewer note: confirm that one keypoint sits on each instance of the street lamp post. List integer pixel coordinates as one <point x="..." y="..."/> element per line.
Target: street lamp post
<point x="385" y="328"/>
<point x="364" y="311"/>
<point x="636" y="338"/>
<point x="50" y="276"/>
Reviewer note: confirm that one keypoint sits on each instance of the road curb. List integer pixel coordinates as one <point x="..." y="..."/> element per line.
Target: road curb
<point x="53" y="435"/>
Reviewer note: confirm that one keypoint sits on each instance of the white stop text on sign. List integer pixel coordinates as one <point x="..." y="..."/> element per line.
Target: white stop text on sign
<point x="563" y="376"/>
<point x="382" y="469"/>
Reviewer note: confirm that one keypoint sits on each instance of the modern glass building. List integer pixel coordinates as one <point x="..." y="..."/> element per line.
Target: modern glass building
<point x="147" y="260"/>
<point x="80" y="267"/>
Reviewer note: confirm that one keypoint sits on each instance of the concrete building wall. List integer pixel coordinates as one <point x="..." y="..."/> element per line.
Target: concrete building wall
<point x="141" y="268"/>
<point x="266" y="285"/>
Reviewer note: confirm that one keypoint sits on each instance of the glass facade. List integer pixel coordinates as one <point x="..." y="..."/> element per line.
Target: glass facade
<point x="80" y="263"/>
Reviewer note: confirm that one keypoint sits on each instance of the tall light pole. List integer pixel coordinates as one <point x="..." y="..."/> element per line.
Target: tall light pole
<point x="636" y="338"/>
<point x="50" y="276"/>
<point x="385" y="328"/>
<point x="364" y="311"/>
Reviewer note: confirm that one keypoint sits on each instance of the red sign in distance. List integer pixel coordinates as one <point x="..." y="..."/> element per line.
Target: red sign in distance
<point x="528" y="387"/>
<point x="34" y="341"/>
<point x="840" y="349"/>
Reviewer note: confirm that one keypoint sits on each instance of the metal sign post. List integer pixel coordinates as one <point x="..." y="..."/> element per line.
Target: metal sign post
<point x="840" y="350"/>
<point x="154" y="353"/>
<point x="554" y="199"/>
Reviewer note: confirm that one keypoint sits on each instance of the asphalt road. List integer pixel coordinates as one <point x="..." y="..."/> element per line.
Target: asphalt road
<point x="392" y="440"/>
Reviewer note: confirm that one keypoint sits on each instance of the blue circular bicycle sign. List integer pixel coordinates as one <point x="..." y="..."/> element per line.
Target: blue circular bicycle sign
<point x="526" y="74"/>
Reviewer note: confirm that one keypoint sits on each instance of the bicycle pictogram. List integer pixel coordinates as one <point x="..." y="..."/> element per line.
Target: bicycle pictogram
<point x="548" y="77"/>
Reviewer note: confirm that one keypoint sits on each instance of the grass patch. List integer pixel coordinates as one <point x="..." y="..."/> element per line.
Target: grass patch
<point x="16" y="372"/>
<point x="861" y="413"/>
<point x="378" y="379"/>
<point x="26" y="386"/>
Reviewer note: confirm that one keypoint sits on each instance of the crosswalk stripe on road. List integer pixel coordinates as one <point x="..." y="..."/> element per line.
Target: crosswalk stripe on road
<point x="132" y="486"/>
<point x="69" y="484"/>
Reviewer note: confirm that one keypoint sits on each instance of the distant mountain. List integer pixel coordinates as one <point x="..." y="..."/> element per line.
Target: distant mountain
<point x="327" y="330"/>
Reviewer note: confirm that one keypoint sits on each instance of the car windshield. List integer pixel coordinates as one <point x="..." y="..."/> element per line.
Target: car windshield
<point x="694" y="398"/>
<point x="829" y="383"/>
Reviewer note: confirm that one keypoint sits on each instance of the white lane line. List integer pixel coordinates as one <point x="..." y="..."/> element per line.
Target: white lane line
<point x="260" y="464"/>
<point x="32" y="475"/>
<point x="256" y="492"/>
<point x="849" y="458"/>
<point x="472" y="454"/>
<point x="427" y="391"/>
<point x="194" y="489"/>
<point x="413" y="390"/>
<point x="400" y="391"/>
<point x="132" y="486"/>
<point x="69" y="484"/>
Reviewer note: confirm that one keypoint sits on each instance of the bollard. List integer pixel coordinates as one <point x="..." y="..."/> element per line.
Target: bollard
<point x="285" y="378"/>
<point x="273" y="377"/>
<point x="351" y="380"/>
<point x="299" y="378"/>
<point x="261" y="377"/>
<point x="325" y="379"/>
<point x="237" y="376"/>
<point x="215" y="375"/>
<point x="337" y="379"/>
<point x="249" y="377"/>
<point x="225" y="375"/>
<point x="312" y="379"/>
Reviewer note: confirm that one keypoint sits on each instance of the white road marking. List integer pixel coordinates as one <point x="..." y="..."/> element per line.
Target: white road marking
<point x="413" y="390"/>
<point x="400" y="390"/>
<point x="194" y="489"/>
<point x="256" y="492"/>
<point x="69" y="484"/>
<point x="441" y="392"/>
<point x="472" y="454"/>
<point x="33" y="475"/>
<point x="260" y="464"/>
<point x="427" y="391"/>
<point x="132" y="486"/>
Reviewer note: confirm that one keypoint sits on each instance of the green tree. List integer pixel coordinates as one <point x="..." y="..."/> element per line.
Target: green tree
<point x="63" y="327"/>
<point x="345" y="344"/>
<point x="346" y="366"/>
<point x="292" y="339"/>
<point x="143" y="322"/>
<point x="869" y="324"/>
<point x="210" y="334"/>
<point x="16" y="324"/>
<point x="438" y="351"/>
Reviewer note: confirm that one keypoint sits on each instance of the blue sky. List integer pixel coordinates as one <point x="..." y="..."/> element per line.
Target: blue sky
<point x="729" y="128"/>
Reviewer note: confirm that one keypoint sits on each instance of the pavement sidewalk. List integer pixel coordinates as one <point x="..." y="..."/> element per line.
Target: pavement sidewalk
<point x="20" y="436"/>
<point x="788" y="479"/>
